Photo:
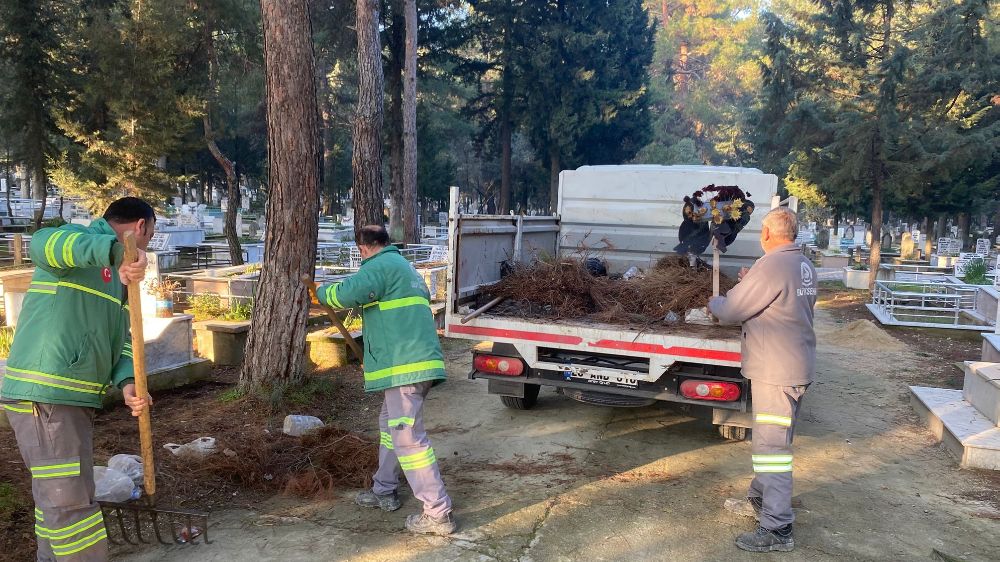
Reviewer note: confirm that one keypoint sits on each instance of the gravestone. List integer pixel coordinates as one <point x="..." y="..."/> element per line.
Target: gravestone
<point x="983" y="246"/>
<point x="907" y="247"/>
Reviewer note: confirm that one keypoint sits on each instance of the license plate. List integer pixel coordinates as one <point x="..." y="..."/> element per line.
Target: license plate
<point x="602" y="378"/>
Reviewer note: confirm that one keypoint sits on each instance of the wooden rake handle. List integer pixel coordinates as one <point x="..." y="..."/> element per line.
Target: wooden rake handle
<point x="311" y="285"/>
<point x="139" y="369"/>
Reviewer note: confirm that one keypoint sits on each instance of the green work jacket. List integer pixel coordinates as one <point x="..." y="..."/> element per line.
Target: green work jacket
<point x="401" y="341"/>
<point x="72" y="337"/>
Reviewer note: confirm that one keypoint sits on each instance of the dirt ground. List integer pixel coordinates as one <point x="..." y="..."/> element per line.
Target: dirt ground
<point x="567" y="481"/>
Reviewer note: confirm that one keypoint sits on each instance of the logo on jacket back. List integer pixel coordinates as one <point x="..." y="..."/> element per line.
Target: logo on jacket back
<point x="106" y="274"/>
<point x="807" y="281"/>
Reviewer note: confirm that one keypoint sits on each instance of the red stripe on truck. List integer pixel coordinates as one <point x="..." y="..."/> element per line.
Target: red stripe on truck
<point x="676" y="351"/>
<point x="514" y="334"/>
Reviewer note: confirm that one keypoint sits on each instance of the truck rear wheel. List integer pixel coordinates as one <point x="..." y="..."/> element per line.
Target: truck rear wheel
<point x="734" y="432"/>
<point x="526" y="403"/>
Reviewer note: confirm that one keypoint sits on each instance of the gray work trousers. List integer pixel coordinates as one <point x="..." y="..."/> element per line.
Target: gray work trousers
<point x="404" y="446"/>
<point x="774" y="411"/>
<point x="57" y="445"/>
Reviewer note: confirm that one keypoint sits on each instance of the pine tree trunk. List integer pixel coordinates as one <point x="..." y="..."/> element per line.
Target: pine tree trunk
<point x="326" y="115"/>
<point x="878" y="180"/>
<point x="996" y="223"/>
<point x="276" y="346"/>
<point x="410" y="228"/>
<point x="963" y="230"/>
<point x="40" y="193"/>
<point x="397" y="52"/>
<point x="506" y="128"/>
<point x="232" y="193"/>
<point x="366" y="159"/>
<point x="554" y="166"/>
<point x="926" y="230"/>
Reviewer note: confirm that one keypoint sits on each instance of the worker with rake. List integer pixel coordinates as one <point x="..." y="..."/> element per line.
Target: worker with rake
<point x="774" y="301"/>
<point x="72" y="341"/>
<point x="403" y="359"/>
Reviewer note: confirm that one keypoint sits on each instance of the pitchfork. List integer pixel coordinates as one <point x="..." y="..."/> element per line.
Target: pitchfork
<point x="134" y="518"/>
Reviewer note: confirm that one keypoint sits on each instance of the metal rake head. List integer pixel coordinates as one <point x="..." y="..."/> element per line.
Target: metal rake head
<point x="139" y="522"/>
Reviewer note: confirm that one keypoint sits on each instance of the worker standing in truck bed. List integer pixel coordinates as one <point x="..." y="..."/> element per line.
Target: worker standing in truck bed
<point x="774" y="302"/>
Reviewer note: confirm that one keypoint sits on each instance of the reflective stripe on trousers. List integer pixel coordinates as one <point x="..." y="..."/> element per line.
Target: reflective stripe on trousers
<point x="774" y="409"/>
<point x="408" y="450"/>
<point x="56" y="444"/>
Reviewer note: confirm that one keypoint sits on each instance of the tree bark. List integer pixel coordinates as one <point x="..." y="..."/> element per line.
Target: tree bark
<point x="276" y="346"/>
<point x="411" y="231"/>
<point x="963" y="229"/>
<point x="40" y="193"/>
<point x="554" y="166"/>
<point x="366" y="159"/>
<point x="10" y="182"/>
<point x="326" y="107"/>
<point x="928" y="238"/>
<point x="506" y="127"/>
<point x="878" y="181"/>
<point x="397" y="52"/>
<point x="996" y="223"/>
<point x="232" y="193"/>
<point x="942" y="226"/>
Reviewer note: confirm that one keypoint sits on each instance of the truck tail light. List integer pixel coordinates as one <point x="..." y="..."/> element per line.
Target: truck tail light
<point x="498" y="365"/>
<point x="710" y="390"/>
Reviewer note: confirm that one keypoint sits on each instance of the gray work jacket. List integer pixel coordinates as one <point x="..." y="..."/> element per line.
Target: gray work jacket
<point x="774" y="302"/>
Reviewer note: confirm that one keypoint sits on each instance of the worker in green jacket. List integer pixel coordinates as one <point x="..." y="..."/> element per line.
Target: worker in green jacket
<point x="403" y="359"/>
<point x="72" y="341"/>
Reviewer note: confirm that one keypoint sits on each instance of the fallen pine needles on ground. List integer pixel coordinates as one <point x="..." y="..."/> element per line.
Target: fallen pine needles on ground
<point x="312" y="466"/>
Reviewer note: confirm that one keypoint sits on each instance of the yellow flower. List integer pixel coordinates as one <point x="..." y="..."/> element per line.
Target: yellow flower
<point x="712" y="203"/>
<point x="735" y="214"/>
<point x="717" y="219"/>
<point x="738" y="203"/>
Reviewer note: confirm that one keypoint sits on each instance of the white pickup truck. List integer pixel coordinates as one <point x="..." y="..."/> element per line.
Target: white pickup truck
<point x="631" y="214"/>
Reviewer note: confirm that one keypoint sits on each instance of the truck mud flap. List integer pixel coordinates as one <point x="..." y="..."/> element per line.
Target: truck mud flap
<point x="732" y="417"/>
<point x="506" y="388"/>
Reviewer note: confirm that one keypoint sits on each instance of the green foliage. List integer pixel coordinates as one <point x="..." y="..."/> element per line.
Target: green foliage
<point x="10" y="501"/>
<point x="315" y="388"/>
<point x="704" y="77"/>
<point x="572" y="77"/>
<point x="230" y="395"/>
<point x="975" y="272"/>
<point x="865" y="102"/>
<point x="6" y="340"/>
<point x="239" y="311"/>
<point x="206" y="307"/>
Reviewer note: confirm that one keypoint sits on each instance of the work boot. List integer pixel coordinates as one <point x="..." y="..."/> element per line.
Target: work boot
<point x="423" y="524"/>
<point x="747" y="507"/>
<point x="763" y="540"/>
<point x="386" y="502"/>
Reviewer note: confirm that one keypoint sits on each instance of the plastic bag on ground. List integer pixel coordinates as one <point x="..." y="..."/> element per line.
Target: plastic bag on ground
<point x="131" y="465"/>
<point x="200" y="447"/>
<point x="112" y="485"/>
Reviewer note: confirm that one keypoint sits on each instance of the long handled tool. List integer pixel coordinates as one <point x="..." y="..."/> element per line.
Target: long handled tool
<point x="133" y="519"/>
<point x="355" y="348"/>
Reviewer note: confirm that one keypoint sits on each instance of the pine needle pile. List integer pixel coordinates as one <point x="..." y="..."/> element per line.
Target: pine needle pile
<point x="564" y="289"/>
<point x="313" y="466"/>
